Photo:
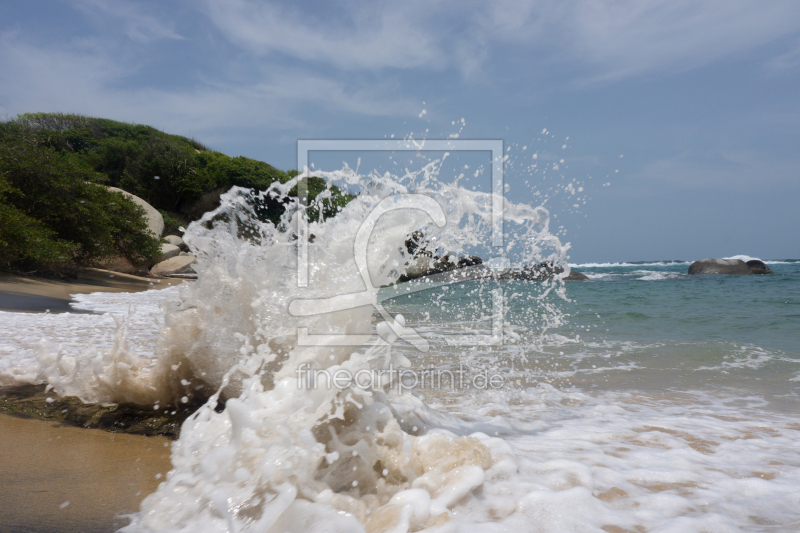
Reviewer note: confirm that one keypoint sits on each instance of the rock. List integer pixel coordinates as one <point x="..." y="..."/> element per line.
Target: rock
<point x="758" y="267"/>
<point x="574" y="275"/>
<point x="182" y="254"/>
<point x="546" y="270"/>
<point x="180" y="266"/>
<point x="168" y="251"/>
<point x="122" y="265"/>
<point x="733" y="267"/>
<point x="423" y="262"/>
<point x="449" y="268"/>
<point x="469" y="260"/>
<point x="155" y="222"/>
<point x="427" y="265"/>
<point x="540" y="272"/>
<point x="32" y="401"/>
<point x="176" y="241"/>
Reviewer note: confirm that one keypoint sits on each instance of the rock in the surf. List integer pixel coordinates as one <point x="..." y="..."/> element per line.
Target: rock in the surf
<point x="180" y="266"/>
<point x="547" y="270"/>
<point x="424" y="262"/>
<point x="758" y="267"/>
<point x="732" y="267"/>
<point x="449" y="267"/>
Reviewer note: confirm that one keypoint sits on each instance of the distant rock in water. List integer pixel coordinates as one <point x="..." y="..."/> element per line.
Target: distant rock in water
<point x="425" y="263"/>
<point x="733" y="267"/>
<point x="759" y="267"/>
<point x="546" y="270"/>
<point x="448" y="268"/>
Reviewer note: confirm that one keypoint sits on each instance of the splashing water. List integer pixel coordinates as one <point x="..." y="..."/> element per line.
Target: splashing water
<point x="284" y="455"/>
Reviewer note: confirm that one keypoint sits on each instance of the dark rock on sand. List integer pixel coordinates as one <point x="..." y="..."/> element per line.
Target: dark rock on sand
<point x="31" y="401"/>
<point x="732" y="267"/>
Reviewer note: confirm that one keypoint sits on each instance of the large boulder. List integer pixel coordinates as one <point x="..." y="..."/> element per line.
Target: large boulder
<point x="733" y="267"/>
<point x="179" y="266"/>
<point x="155" y="222"/>
<point x="208" y="202"/>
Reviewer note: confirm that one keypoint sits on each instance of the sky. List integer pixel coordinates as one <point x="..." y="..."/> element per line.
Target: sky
<point x="680" y="119"/>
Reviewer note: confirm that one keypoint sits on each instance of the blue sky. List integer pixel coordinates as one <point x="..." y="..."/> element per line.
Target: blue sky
<point x="700" y="97"/>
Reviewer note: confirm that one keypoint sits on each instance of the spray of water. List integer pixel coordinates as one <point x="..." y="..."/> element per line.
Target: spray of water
<point x="284" y="455"/>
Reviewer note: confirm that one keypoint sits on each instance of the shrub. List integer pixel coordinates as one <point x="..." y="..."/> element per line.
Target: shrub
<point x="50" y="197"/>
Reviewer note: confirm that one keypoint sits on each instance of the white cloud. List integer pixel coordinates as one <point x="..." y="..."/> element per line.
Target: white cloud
<point x="86" y="80"/>
<point x="374" y="36"/>
<point x="605" y="40"/>
<point x="136" y="23"/>
<point x="621" y="38"/>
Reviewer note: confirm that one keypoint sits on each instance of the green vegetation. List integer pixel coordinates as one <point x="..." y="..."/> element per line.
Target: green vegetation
<point x="54" y="215"/>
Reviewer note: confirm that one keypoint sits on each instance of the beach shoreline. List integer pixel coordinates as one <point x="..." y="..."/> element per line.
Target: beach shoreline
<point x="96" y="478"/>
<point x="36" y="294"/>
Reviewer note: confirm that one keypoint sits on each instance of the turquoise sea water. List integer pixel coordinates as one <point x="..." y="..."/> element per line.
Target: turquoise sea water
<point x="645" y="326"/>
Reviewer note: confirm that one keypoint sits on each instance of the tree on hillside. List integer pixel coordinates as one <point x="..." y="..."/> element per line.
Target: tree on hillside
<point x="56" y="212"/>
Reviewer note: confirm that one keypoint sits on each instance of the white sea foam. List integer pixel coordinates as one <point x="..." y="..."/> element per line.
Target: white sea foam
<point x="747" y="258"/>
<point x="653" y="275"/>
<point x="25" y="338"/>
<point x="600" y="275"/>
<point x="635" y="462"/>
<point x="624" y="264"/>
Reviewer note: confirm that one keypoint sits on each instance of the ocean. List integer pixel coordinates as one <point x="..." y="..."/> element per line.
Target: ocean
<point x="640" y="400"/>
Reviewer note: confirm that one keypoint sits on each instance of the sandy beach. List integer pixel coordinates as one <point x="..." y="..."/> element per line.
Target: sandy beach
<point x="46" y="464"/>
<point x="70" y="479"/>
<point x="35" y="294"/>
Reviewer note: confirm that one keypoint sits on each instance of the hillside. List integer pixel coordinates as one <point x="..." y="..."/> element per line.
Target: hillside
<point x="54" y="217"/>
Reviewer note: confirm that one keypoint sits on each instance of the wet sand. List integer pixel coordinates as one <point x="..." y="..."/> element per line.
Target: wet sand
<point x="33" y="294"/>
<point x="102" y="475"/>
<point x="44" y="465"/>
